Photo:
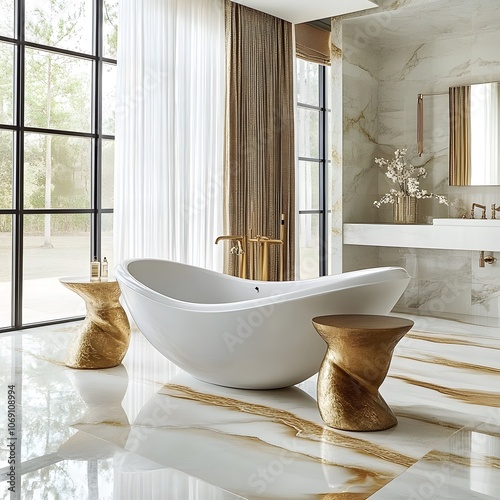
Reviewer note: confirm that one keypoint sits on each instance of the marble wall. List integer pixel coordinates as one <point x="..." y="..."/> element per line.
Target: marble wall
<point x="389" y="56"/>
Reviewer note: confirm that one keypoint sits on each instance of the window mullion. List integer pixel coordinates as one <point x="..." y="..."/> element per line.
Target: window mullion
<point x="97" y="130"/>
<point x="323" y="175"/>
<point x="18" y="165"/>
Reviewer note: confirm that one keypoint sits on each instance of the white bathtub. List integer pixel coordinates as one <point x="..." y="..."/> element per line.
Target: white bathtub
<point x="247" y="334"/>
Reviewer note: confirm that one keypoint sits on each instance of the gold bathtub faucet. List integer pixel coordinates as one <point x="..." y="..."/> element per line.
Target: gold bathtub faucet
<point x="262" y="243"/>
<point x="257" y="248"/>
<point x="241" y="242"/>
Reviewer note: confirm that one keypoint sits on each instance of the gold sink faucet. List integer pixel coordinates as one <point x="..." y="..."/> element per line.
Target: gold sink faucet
<point x="494" y="209"/>
<point x="477" y="205"/>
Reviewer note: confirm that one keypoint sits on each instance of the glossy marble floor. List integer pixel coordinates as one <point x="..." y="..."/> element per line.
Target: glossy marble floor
<point x="145" y="430"/>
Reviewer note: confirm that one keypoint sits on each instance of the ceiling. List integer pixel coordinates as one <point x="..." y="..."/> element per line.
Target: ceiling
<point x="301" y="11"/>
<point x="420" y="23"/>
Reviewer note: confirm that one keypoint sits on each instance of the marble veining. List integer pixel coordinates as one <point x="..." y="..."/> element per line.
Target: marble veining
<point x="484" y="294"/>
<point x="455" y="364"/>
<point x="303" y="428"/>
<point x="481" y="398"/>
<point x="145" y="428"/>
<point x="449" y="340"/>
<point x="390" y="54"/>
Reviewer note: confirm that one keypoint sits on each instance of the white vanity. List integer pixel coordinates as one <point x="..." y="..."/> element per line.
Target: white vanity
<point x="444" y="234"/>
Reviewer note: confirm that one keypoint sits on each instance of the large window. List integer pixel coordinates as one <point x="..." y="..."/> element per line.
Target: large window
<point x="57" y="72"/>
<point x="313" y="168"/>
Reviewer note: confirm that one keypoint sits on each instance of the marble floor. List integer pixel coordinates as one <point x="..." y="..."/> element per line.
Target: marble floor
<point x="146" y="430"/>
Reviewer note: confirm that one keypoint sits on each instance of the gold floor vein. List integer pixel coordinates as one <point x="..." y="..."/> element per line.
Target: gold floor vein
<point x="472" y="461"/>
<point x="447" y="340"/>
<point x="454" y="364"/>
<point x="481" y="398"/>
<point x="427" y="420"/>
<point x="303" y="428"/>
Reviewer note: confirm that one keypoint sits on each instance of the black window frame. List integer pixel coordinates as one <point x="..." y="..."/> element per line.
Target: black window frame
<point x="323" y="162"/>
<point x="18" y="128"/>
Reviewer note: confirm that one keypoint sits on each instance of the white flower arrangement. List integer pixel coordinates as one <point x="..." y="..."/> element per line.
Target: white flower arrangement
<point x="407" y="177"/>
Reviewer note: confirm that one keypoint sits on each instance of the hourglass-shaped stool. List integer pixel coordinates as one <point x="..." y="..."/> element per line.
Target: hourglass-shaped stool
<point x="359" y="353"/>
<point x="104" y="336"/>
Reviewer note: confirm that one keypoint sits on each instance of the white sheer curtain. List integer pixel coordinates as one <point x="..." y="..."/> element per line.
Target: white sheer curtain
<point x="485" y="133"/>
<point x="170" y="131"/>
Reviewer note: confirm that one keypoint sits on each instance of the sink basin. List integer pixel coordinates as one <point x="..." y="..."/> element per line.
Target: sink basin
<point x="467" y="222"/>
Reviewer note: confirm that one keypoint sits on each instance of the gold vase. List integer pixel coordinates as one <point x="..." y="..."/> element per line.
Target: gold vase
<point x="405" y="210"/>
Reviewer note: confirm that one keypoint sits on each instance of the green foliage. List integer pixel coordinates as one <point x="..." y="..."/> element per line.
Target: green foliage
<point x="59" y="23"/>
<point x="59" y="224"/>
<point x="7" y="17"/>
<point x="57" y="96"/>
<point x="110" y="18"/>
<point x="6" y="82"/>
<point x="5" y="169"/>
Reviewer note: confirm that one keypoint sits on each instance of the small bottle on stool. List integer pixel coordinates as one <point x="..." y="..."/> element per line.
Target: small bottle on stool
<point x="95" y="270"/>
<point x="104" y="269"/>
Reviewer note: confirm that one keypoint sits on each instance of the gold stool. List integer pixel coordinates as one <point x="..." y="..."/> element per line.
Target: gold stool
<point x="104" y="336"/>
<point x="359" y="353"/>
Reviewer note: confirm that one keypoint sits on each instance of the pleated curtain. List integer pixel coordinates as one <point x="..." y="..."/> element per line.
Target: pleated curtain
<point x="460" y="135"/>
<point x="170" y="130"/>
<point x="259" y="170"/>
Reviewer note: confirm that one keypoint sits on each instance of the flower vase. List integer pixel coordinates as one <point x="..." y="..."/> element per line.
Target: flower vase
<point x="405" y="210"/>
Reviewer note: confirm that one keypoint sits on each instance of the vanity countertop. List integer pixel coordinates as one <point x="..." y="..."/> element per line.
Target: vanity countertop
<point x="444" y="237"/>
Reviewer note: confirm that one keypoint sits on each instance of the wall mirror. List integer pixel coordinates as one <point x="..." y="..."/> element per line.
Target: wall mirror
<point x="474" y="158"/>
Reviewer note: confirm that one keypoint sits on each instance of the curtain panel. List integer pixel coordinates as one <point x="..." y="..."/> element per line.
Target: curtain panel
<point x="460" y="135"/>
<point x="260" y="157"/>
<point x="485" y="107"/>
<point x="170" y="130"/>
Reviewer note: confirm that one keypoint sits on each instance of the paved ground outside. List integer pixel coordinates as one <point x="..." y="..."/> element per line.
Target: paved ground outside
<point x="44" y="298"/>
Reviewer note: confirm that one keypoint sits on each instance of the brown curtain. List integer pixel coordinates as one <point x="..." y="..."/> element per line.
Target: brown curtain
<point x="460" y="136"/>
<point x="259" y="170"/>
<point x="312" y="44"/>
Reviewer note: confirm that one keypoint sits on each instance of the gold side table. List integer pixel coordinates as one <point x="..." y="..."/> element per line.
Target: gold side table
<point x="356" y="363"/>
<point x="104" y="336"/>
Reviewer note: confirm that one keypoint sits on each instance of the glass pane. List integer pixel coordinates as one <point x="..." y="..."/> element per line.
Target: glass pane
<point x="308" y="185"/>
<point x="309" y="246"/>
<point x="108" y="172"/>
<point x="57" y="91"/>
<point x="307" y="82"/>
<point x="61" y="163"/>
<point x="5" y="269"/>
<point x="54" y="246"/>
<point x="107" y="241"/>
<point x="6" y="82"/>
<point x="308" y="132"/>
<point x="110" y="28"/>
<point x="108" y="98"/>
<point x="67" y="25"/>
<point x="6" y="162"/>
<point x="7" y="18"/>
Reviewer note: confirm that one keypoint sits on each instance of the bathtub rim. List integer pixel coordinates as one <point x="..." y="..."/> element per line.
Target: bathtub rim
<point x="307" y="288"/>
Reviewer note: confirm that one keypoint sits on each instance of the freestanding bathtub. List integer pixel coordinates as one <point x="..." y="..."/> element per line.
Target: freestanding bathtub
<point x="246" y="334"/>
